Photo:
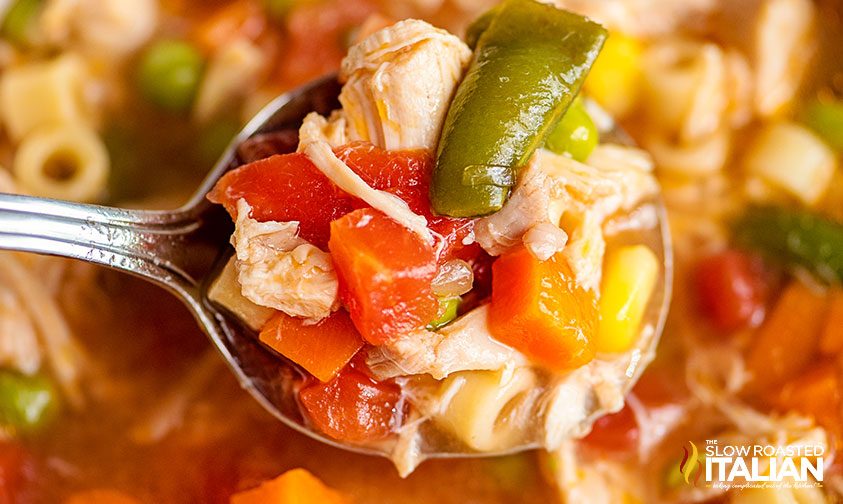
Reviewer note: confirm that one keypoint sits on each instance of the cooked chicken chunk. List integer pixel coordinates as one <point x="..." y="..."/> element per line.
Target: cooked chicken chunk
<point x="464" y="345"/>
<point x="561" y="204"/>
<point x="399" y="83"/>
<point x="277" y="269"/>
<point x="19" y="348"/>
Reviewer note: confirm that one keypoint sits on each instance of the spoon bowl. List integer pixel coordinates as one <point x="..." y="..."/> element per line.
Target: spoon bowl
<point x="184" y="250"/>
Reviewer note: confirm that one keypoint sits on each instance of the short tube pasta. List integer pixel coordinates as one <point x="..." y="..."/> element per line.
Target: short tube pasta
<point x="484" y="406"/>
<point x="63" y="162"/>
<point x="43" y="94"/>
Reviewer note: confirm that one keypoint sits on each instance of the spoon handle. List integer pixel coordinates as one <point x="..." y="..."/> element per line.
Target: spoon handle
<point x="175" y="249"/>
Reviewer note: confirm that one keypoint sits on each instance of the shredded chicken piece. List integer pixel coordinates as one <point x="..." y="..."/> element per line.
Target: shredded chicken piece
<point x="313" y="142"/>
<point x="170" y="412"/>
<point x="556" y="192"/>
<point x="333" y="130"/>
<point x="233" y="70"/>
<point x="63" y="354"/>
<point x="399" y="84"/>
<point x="463" y="345"/>
<point x="277" y="269"/>
<point x="19" y="347"/>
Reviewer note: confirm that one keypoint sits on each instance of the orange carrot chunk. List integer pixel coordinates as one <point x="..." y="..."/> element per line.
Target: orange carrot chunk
<point x="538" y="308"/>
<point x="385" y="272"/>
<point x="296" y="486"/>
<point x="789" y="338"/>
<point x="831" y="341"/>
<point x="322" y="348"/>
<point x="815" y="393"/>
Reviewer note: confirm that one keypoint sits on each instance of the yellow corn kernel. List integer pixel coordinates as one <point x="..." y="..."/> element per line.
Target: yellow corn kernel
<point x="614" y="80"/>
<point x="628" y="281"/>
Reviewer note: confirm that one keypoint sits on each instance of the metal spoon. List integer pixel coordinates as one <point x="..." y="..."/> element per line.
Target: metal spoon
<point x="184" y="250"/>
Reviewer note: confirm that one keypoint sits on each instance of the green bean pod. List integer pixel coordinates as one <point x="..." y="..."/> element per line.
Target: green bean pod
<point x="528" y="66"/>
<point x="795" y="239"/>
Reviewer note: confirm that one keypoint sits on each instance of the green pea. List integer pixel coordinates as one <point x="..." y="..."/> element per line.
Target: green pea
<point x="27" y="403"/>
<point x="826" y="119"/>
<point x="169" y="74"/>
<point x="575" y="135"/>
<point x="20" y="23"/>
<point x="447" y="312"/>
<point x="214" y="138"/>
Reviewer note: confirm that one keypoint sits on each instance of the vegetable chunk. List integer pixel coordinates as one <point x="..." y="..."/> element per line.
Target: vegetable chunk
<point x="296" y="486"/>
<point x="322" y="349"/>
<point x="385" y="275"/>
<point x="528" y="66"/>
<point x="285" y="188"/>
<point x="353" y="407"/>
<point x="538" y="309"/>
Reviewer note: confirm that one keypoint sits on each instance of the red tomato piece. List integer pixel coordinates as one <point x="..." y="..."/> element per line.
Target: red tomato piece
<point x="617" y="432"/>
<point x="353" y="407"/>
<point x="17" y="471"/>
<point x="385" y="273"/>
<point x="732" y="289"/>
<point x="285" y="187"/>
<point x="329" y="23"/>
<point x="407" y="175"/>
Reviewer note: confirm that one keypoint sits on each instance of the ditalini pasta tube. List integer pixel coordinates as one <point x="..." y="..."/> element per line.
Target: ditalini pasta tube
<point x="484" y="406"/>
<point x="64" y="162"/>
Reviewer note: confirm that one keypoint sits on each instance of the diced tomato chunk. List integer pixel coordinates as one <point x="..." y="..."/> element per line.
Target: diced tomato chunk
<point x="406" y="174"/>
<point x="285" y="187"/>
<point x="17" y="471"/>
<point x="385" y="272"/>
<point x="732" y="289"/>
<point x="329" y="22"/>
<point x="353" y="407"/>
<point x="616" y="432"/>
<point x="322" y="348"/>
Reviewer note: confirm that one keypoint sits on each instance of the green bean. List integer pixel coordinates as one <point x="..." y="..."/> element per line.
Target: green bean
<point x="826" y="119"/>
<point x="27" y="403"/>
<point x="447" y="312"/>
<point x="169" y="74"/>
<point x="793" y="238"/>
<point x="476" y="28"/>
<point x="528" y="66"/>
<point x="575" y="134"/>
<point x="20" y="22"/>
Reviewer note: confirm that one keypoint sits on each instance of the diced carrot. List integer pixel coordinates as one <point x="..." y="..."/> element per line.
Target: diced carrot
<point x="296" y="486"/>
<point x="240" y="18"/>
<point x="353" y="407"/>
<point x="322" y="348"/>
<point x="789" y="338"/>
<point x="538" y="308"/>
<point x="101" y="496"/>
<point x="385" y="272"/>
<point x="831" y="341"/>
<point x="815" y="393"/>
